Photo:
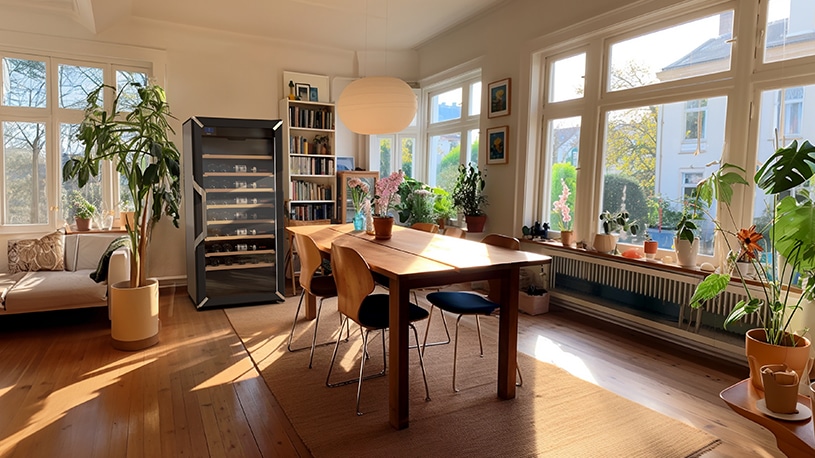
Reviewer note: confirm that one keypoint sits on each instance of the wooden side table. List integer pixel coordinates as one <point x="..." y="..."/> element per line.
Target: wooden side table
<point x="794" y="438"/>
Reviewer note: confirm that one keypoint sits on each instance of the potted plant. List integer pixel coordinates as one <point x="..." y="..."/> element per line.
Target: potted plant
<point x="139" y="145"/>
<point x="83" y="211"/>
<point x="563" y="215"/>
<point x="443" y="207"/>
<point x="613" y="224"/>
<point x="791" y="248"/>
<point x="468" y="196"/>
<point x="686" y="241"/>
<point x="650" y="246"/>
<point x="385" y="200"/>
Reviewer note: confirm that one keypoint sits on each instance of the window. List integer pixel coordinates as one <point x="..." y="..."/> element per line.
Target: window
<point x="40" y="111"/>
<point x="567" y="77"/>
<point x="789" y="29"/>
<point x="562" y="152"/>
<point x="452" y="138"/>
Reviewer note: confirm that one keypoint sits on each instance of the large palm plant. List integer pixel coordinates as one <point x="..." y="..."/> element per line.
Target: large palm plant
<point x="138" y="143"/>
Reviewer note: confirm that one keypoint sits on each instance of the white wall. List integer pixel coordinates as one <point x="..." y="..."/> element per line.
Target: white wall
<point x="205" y="73"/>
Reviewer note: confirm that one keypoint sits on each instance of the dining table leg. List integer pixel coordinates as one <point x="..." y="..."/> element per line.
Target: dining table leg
<point x="398" y="381"/>
<point x="508" y="333"/>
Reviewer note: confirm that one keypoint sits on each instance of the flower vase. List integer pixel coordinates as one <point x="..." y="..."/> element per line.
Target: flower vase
<point x="359" y="221"/>
<point x="567" y="238"/>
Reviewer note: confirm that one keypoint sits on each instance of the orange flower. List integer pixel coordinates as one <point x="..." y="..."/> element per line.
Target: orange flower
<point x="749" y="241"/>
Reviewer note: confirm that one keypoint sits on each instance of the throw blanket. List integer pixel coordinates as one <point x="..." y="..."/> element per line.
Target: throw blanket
<point x="101" y="272"/>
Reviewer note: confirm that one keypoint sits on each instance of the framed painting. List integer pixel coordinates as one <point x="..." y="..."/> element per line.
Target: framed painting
<point x="498" y="141"/>
<point x="313" y="94"/>
<point x="302" y="91"/>
<point x="346" y="206"/>
<point x="498" y="93"/>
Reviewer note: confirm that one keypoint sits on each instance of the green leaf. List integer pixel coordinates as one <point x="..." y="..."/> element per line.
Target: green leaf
<point x="787" y="168"/>
<point x="707" y="289"/>
<point x="741" y="309"/>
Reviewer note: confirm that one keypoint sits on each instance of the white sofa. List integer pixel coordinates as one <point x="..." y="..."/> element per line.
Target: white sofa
<point x="24" y="292"/>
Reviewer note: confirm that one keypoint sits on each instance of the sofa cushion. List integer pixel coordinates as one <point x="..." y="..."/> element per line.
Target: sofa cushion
<point x="90" y="248"/>
<point x="45" y="253"/>
<point x="47" y="290"/>
<point x="6" y="282"/>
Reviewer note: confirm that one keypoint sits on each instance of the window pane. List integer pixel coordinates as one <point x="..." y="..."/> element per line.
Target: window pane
<point x="695" y="48"/>
<point x="385" y="156"/>
<point x="25" y="172"/>
<point x="445" y="106"/>
<point x="648" y="172"/>
<point x="444" y="157"/>
<point x="790" y="29"/>
<point x="75" y="83"/>
<point x="475" y="99"/>
<point x="129" y="94"/>
<point x="568" y="78"/>
<point x="473" y="142"/>
<point x="408" y="150"/>
<point x="23" y="83"/>
<point x="92" y="191"/>
<point x="562" y="148"/>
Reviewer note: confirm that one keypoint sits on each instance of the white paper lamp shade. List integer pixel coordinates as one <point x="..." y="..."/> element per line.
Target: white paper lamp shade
<point x="377" y="105"/>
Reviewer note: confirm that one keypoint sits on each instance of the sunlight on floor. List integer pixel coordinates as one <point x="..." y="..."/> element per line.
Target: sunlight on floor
<point x="228" y="375"/>
<point x="549" y="351"/>
<point x="58" y="403"/>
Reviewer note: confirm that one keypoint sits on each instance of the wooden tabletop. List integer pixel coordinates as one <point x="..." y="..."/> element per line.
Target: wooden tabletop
<point x="794" y="438"/>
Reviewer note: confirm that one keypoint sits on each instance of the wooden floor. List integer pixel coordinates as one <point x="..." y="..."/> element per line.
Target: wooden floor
<point x="65" y="392"/>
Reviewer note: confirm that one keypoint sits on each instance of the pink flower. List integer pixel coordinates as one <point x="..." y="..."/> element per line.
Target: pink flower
<point x="359" y="191"/>
<point x="561" y="206"/>
<point x="386" y="197"/>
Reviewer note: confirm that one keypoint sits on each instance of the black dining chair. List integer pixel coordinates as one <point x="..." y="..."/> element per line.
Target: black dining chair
<point x="469" y="303"/>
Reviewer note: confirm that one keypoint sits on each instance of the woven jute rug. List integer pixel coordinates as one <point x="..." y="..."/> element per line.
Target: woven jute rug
<point x="553" y="414"/>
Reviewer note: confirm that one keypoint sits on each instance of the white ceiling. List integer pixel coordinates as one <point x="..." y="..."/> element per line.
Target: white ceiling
<point x="345" y="24"/>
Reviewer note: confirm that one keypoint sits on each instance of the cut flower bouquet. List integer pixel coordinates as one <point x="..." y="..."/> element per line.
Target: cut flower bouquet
<point x="387" y="197"/>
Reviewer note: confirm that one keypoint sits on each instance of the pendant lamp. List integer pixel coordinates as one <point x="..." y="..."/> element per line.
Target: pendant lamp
<point x="377" y="105"/>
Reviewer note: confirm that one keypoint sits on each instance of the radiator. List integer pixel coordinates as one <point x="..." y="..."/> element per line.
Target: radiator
<point x="647" y="282"/>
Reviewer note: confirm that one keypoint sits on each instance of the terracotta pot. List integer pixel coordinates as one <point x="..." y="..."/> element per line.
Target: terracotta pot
<point x="83" y="224"/>
<point x="605" y="243"/>
<point x="567" y="238"/>
<point x="475" y="223"/>
<point x="760" y="353"/>
<point x="650" y="247"/>
<point x="686" y="252"/>
<point x="383" y="227"/>
<point x="780" y="388"/>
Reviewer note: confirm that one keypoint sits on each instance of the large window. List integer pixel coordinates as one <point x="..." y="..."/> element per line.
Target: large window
<point x="452" y="128"/>
<point x="659" y="119"/>
<point x="40" y="111"/>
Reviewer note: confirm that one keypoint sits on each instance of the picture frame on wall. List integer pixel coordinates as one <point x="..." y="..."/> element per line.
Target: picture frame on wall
<point x="302" y="91"/>
<point x="498" y="141"/>
<point x="345" y="164"/>
<point x="313" y="94"/>
<point x="499" y="98"/>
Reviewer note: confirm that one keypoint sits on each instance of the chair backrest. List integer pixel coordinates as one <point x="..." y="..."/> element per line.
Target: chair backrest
<point x="353" y="278"/>
<point x="503" y="241"/>
<point x="454" y="232"/>
<point x="310" y="259"/>
<point x="427" y="227"/>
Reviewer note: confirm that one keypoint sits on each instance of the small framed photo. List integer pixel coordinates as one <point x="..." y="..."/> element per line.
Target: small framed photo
<point x="302" y="91"/>
<point x="313" y="94"/>
<point x="498" y="139"/>
<point x="345" y="164"/>
<point x="498" y="93"/>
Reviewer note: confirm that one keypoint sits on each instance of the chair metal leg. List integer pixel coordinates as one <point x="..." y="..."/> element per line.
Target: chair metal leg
<point x="362" y="367"/>
<point x="455" y="353"/>
<point x="427" y="330"/>
<point x="294" y="322"/>
<point x="480" y="343"/>
<point x="520" y="381"/>
<point x="314" y="343"/>
<point x="421" y="362"/>
<point x="328" y="382"/>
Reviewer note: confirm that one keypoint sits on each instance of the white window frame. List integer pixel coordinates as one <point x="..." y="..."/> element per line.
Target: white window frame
<point x="53" y="52"/>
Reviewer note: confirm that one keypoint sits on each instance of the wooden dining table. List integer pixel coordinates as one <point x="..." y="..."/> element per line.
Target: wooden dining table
<point x="416" y="259"/>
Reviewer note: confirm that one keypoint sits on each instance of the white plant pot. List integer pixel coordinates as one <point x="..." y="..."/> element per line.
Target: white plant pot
<point x="605" y="243"/>
<point x="686" y="252"/>
<point x="134" y="322"/>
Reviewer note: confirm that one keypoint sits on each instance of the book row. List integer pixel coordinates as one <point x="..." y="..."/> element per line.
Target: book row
<point x="306" y="190"/>
<point x="311" y="165"/>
